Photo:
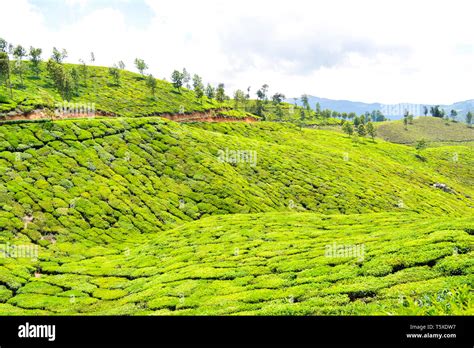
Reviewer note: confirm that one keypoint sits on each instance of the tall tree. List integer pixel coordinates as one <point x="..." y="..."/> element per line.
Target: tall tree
<point x="19" y="52"/>
<point x="371" y="130"/>
<point x="405" y="119"/>
<point x="220" y="93"/>
<point x="348" y="128"/>
<point x="277" y="98"/>
<point x="121" y="65"/>
<point x="114" y="73"/>
<point x="357" y="121"/>
<point x="318" y="108"/>
<point x="247" y="98"/>
<point x="140" y="65"/>
<point x="5" y="71"/>
<point x="151" y="83"/>
<point x="210" y="92"/>
<point x="379" y="117"/>
<point x="305" y="102"/>
<point x="361" y="130"/>
<point x="198" y="86"/>
<point x="469" y="118"/>
<point x="61" y="78"/>
<point x="261" y="101"/>
<point x="84" y="71"/>
<point x="453" y="114"/>
<point x="35" y="57"/>
<point x="186" y="78"/>
<point x="425" y="110"/>
<point x="436" y="111"/>
<point x="59" y="56"/>
<point x="239" y="98"/>
<point x="3" y="45"/>
<point x="177" y="79"/>
<point x="262" y="93"/>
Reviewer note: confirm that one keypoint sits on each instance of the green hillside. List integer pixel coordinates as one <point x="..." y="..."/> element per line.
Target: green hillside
<point x="130" y="98"/>
<point x="112" y="205"/>
<point x="431" y="129"/>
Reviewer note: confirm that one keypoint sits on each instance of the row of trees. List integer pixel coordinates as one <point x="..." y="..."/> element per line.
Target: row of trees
<point x="436" y="111"/>
<point x="67" y="81"/>
<point x="11" y="62"/>
<point x="361" y="129"/>
<point x="179" y="79"/>
<point x="183" y="78"/>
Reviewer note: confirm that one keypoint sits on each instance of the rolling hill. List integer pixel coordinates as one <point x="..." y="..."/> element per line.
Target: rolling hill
<point x="110" y="204"/>
<point x="431" y="129"/>
<point x="130" y="98"/>
<point x="131" y="213"/>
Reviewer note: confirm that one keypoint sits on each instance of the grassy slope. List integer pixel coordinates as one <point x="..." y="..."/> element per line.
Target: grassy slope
<point x="105" y="193"/>
<point x="132" y="98"/>
<point x="431" y="129"/>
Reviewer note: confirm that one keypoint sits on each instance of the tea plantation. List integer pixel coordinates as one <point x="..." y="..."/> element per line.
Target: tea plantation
<point x="131" y="97"/>
<point x="141" y="215"/>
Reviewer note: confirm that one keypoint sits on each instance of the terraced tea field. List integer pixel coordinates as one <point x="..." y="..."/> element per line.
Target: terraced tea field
<point x="268" y="263"/>
<point x="144" y="216"/>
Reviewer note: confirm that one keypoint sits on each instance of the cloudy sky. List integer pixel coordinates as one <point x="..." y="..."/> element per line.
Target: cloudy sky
<point x="372" y="51"/>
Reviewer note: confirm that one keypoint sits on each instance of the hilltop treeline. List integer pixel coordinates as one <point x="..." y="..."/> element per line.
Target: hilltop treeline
<point x="23" y="71"/>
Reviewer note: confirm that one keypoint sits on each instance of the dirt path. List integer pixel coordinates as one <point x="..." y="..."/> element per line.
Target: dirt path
<point x="208" y="116"/>
<point x="197" y="116"/>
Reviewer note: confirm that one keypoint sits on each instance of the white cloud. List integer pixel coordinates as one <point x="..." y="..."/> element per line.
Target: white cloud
<point x="385" y="51"/>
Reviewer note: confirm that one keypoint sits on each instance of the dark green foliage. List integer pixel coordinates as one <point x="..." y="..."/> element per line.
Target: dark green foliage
<point x="151" y="84"/>
<point x="220" y="93"/>
<point x="61" y="77"/>
<point x="198" y="87"/>
<point x="114" y="73"/>
<point x="436" y="111"/>
<point x="210" y="92"/>
<point x="58" y="56"/>
<point x="35" y="56"/>
<point x="140" y="65"/>
<point x="348" y="128"/>
<point x="177" y="79"/>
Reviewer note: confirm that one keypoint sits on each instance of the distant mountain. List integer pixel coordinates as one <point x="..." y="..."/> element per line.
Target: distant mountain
<point x="392" y="111"/>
